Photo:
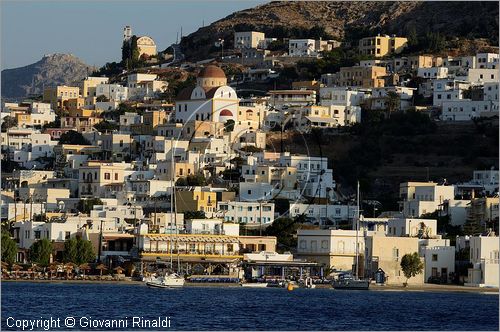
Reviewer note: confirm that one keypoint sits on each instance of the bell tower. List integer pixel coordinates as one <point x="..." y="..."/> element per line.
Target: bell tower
<point x="127" y="33"/>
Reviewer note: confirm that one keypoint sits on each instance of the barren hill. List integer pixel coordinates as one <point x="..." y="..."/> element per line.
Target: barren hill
<point x="52" y="69"/>
<point x="351" y="19"/>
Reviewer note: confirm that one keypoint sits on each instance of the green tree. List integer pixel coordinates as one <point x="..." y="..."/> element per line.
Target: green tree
<point x="125" y="51"/>
<point x="285" y="230"/>
<point x="104" y="126"/>
<point x="192" y="180"/>
<point x="70" y="250"/>
<point x="134" y="52"/>
<point x="8" y="122"/>
<point x="9" y="249"/>
<point x="102" y="98"/>
<point x="411" y="265"/>
<point x="194" y="215"/>
<point x="392" y="101"/>
<point x="40" y="252"/>
<point x="86" y="205"/>
<point x="229" y="126"/>
<point x="85" y="251"/>
<point x="73" y="137"/>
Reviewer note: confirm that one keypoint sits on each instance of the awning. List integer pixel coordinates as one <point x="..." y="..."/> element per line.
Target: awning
<point x="185" y="239"/>
<point x="320" y="119"/>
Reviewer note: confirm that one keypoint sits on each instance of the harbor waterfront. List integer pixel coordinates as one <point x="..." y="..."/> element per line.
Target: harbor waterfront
<point x="216" y="308"/>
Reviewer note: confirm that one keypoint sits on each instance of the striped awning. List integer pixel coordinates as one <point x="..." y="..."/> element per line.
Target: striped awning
<point x="185" y="239"/>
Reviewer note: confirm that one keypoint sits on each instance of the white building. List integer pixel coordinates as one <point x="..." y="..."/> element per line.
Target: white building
<point x="257" y="191"/>
<point x="448" y="90"/>
<point x="418" y="198"/>
<point x="465" y="109"/>
<point x="314" y="177"/>
<point x="302" y="47"/>
<point x="28" y="232"/>
<point x="114" y="92"/>
<point x="248" y="39"/>
<point x="433" y="72"/>
<point x="482" y="75"/>
<point x="342" y="96"/>
<point x="487" y="60"/>
<point x="212" y="227"/>
<point x="484" y="256"/>
<point x="210" y="100"/>
<point x="412" y="227"/>
<point x="246" y="212"/>
<point x="320" y="213"/>
<point x="334" y="248"/>
<point x="439" y="262"/>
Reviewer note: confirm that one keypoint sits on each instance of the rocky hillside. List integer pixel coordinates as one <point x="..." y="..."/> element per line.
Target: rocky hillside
<point x="346" y="20"/>
<point x="52" y="69"/>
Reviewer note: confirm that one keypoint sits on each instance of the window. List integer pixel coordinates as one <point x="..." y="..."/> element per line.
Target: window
<point x="107" y="176"/>
<point x="302" y="244"/>
<point x="434" y="257"/>
<point x="116" y="176"/>
<point x="37" y="234"/>
<point x="67" y="235"/>
<point x="395" y="254"/>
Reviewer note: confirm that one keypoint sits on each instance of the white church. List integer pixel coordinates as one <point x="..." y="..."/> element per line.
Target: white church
<point x="210" y="100"/>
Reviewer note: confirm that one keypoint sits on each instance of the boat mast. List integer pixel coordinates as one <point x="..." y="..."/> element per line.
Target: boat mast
<point x="172" y="171"/>
<point x="357" y="229"/>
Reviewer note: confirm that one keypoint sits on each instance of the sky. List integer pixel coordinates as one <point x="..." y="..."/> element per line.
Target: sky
<point x="92" y="30"/>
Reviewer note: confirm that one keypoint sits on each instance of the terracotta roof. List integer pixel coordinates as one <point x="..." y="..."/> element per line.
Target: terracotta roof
<point x="212" y="71"/>
<point x="185" y="94"/>
<point x="209" y="93"/>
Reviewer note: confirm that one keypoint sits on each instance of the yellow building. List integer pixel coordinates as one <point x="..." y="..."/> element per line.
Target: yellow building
<point x="386" y="253"/>
<point x="23" y="119"/>
<point x="366" y="77"/>
<point x="89" y="84"/>
<point x="150" y="122"/>
<point x="82" y="120"/>
<point x="381" y="46"/>
<point x="56" y="96"/>
<point x="74" y="104"/>
<point x="197" y="200"/>
<point x="146" y="45"/>
<point x="307" y="85"/>
<point x="98" y="179"/>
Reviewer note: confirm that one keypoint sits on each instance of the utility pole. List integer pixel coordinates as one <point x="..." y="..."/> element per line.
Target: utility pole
<point x="100" y="244"/>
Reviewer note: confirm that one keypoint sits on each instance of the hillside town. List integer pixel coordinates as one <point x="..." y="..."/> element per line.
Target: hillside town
<point x="190" y="180"/>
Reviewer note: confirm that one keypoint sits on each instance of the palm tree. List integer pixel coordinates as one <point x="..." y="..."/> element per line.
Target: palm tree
<point x="392" y="101"/>
<point x="101" y="267"/>
<point x="84" y="267"/>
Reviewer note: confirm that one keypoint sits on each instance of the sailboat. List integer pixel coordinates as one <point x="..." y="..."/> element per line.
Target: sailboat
<point x="169" y="280"/>
<point x="351" y="280"/>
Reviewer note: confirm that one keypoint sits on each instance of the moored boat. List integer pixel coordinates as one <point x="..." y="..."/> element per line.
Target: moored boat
<point x="346" y="281"/>
<point x="167" y="281"/>
<point x="254" y="284"/>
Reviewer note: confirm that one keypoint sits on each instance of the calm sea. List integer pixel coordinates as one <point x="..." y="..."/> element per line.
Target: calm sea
<point x="234" y="308"/>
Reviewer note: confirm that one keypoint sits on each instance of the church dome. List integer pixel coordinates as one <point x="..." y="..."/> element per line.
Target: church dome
<point x="211" y="72"/>
<point x="226" y="112"/>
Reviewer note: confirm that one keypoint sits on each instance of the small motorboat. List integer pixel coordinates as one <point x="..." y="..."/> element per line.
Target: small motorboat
<point x="167" y="281"/>
<point x="254" y="284"/>
<point x="346" y="281"/>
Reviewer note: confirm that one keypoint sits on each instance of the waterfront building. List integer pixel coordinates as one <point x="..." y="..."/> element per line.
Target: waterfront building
<point x="484" y="256"/>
